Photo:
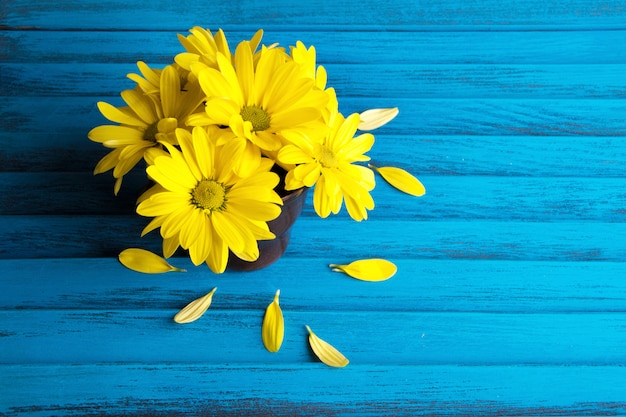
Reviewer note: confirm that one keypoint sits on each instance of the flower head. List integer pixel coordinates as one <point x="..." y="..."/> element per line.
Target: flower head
<point x="148" y="120"/>
<point x="259" y="101"/>
<point x="202" y="48"/>
<point x="329" y="166"/>
<point x="200" y="204"/>
<point x="306" y="59"/>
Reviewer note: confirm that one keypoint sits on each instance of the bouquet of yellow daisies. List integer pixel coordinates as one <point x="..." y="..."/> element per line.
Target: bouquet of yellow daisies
<point x="226" y="135"/>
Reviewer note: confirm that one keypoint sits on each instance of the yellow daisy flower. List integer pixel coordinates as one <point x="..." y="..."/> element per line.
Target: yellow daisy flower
<point x="150" y="80"/>
<point x="328" y="165"/>
<point x="259" y="102"/>
<point x="202" y="48"/>
<point x="306" y="58"/>
<point x="146" y="121"/>
<point x="202" y="206"/>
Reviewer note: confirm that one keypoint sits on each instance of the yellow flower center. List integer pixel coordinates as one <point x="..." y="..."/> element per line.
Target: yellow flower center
<point x="327" y="158"/>
<point x="150" y="133"/>
<point x="257" y="116"/>
<point x="209" y="195"/>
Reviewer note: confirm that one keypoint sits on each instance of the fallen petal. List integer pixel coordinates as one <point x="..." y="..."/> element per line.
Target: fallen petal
<point x="326" y="352"/>
<point x="368" y="269"/>
<point x="273" y="330"/>
<point x="141" y="260"/>
<point x="401" y="180"/>
<point x="375" y="118"/>
<point x="195" y="309"/>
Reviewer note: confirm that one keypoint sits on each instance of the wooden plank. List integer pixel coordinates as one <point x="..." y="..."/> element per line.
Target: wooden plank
<point x="431" y="153"/>
<point x="308" y="285"/>
<point x="418" y="116"/>
<point x="69" y="117"/>
<point x="255" y="389"/>
<point x="466" y="47"/>
<point x="369" y="337"/>
<point x="511" y="81"/>
<point x="580" y="137"/>
<point x="550" y="199"/>
<point x="67" y="236"/>
<point x="400" y="15"/>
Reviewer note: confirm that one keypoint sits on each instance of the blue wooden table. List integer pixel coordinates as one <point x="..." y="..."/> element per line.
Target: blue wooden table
<point x="510" y="296"/>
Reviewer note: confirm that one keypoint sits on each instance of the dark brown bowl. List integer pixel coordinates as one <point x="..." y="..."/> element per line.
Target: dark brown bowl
<point x="271" y="250"/>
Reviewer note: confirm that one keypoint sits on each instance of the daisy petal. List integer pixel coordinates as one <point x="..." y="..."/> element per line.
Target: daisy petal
<point x="107" y="132"/>
<point x="195" y="309"/>
<point x="326" y="353"/>
<point x="141" y="105"/>
<point x="116" y="115"/>
<point x="375" y="118"/>
<point x="401" y="180"/>
<point x="170" y="91"/>
<point x="161" y="204"/>
<point x="273" y="329"/>
<point x="141" y="260"/>
<point x="368" y="269"/>
<point x="218" y="257"/>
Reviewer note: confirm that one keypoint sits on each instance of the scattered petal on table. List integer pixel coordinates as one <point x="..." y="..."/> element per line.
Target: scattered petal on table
<point x="401" y="180"/>
<point x="368" y="269"/>
<point x="375" y="118"/>
<point x="273" y="329"/>
<point x="326" y="352"/>
<point x="141" y="260"/>
<point x="195" y="309"/>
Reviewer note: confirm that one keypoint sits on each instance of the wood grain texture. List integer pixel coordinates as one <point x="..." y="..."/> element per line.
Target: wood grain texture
<point x="418" y="117"/>
<point x="462" y="197"/>
<point x="307" y="284"/>
<point x="353" y="14"/>
<point x="463" y="81"/>
<point x="205" y="390"/>
<point x="411" y="338"/>
<point x="448" y="136"/>
<point x="339" y="47"/>
<point x="93" y="236"/>
<point x="510" y="297"/>
<point x="468" y="198"/>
